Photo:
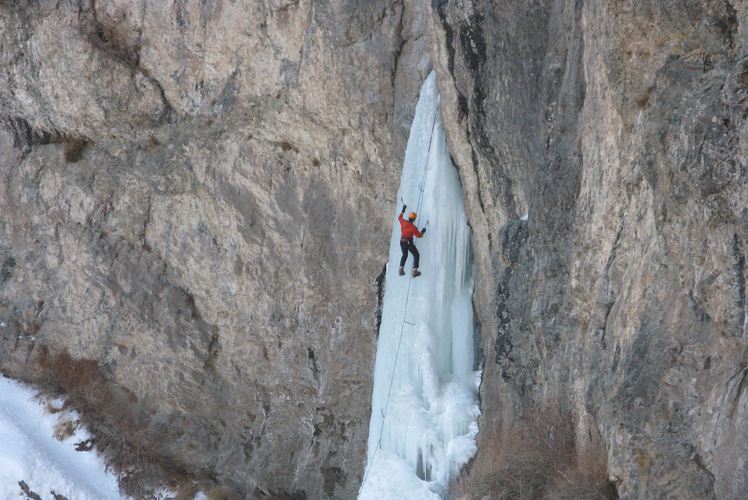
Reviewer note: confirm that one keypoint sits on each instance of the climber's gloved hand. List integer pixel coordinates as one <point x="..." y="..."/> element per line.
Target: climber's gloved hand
<point x="423" y="231"/>
<point x="404" y="207"/>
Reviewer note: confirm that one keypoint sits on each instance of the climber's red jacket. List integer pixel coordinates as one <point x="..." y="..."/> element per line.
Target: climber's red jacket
<point x="408" y="229"/>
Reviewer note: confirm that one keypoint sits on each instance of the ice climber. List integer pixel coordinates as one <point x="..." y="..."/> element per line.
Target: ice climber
<point x="407" y="231"/>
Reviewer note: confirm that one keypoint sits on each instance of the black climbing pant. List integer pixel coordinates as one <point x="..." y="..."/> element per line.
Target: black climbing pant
<point x="409" y="246"/>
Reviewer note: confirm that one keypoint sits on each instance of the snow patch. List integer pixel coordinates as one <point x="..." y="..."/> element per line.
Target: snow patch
<point x="30" y="452"/>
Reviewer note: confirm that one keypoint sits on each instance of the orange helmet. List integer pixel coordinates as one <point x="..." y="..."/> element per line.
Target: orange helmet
<point x="412" y="215"/>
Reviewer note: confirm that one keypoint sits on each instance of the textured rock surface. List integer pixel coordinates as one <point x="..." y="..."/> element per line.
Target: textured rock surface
<point x="197" y="195"/>
<point x="620" y="128"/>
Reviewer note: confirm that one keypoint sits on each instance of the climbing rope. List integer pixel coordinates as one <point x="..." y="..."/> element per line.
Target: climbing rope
<point x="405" y="312"/>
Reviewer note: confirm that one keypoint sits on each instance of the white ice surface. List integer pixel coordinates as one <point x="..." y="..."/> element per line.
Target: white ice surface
<point x="425" y="399"/>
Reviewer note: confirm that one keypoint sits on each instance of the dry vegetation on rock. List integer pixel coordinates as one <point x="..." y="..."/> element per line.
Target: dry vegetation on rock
<point x="537" y="459"/>
<point x="120" y="432"/>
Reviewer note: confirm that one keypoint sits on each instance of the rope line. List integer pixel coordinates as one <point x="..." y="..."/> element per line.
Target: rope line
<point x="405" y="312"/>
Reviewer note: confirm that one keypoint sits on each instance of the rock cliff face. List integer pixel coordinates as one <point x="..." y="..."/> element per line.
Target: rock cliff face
<point x="197" y="196"/>
<point x="620" y="129"/>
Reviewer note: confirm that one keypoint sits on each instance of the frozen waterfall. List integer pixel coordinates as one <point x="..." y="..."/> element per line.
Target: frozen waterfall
<point x="426" y="377"/>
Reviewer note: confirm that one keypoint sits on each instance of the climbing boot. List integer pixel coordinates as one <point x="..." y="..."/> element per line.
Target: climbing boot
<point x="401" y="272"/>
<point x="416" y="272"/>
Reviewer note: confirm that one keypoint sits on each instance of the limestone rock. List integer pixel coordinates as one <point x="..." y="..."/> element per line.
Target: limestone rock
<point x="195" y="195"/>
<point x="620" y="130"/>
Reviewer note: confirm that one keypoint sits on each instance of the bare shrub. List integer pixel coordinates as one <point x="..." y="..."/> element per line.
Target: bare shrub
<point x="64" y="429"/>
<point x="585" y="479"/>
<point x="536" y="459"/>
<point x="111" y="415"/>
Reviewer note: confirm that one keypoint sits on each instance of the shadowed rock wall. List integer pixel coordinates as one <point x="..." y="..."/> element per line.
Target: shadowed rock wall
<point x="196" y="195"/>
<point x="620" y="129"/>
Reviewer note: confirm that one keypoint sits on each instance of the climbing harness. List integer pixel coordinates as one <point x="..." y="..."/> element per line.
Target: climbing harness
<point x="405" y="311"/>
